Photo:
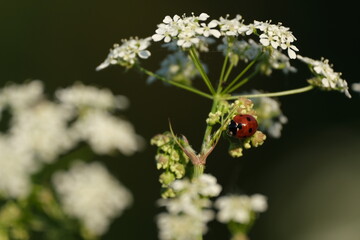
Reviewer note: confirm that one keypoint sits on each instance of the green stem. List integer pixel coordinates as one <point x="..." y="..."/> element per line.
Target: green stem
<point x="242" y="82"/>
<point x="274" y="94"/>
<point x="185" y="87"/>
<point x="226" y="90"/>
<point x="194" y="57"/>
<point x="198" y="170"/>
<point x="228" y="72"/>
<point x="223" y="70"/>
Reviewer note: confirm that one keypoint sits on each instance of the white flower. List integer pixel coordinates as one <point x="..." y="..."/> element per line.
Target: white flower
<point x="190" y="205"/>
<point x="207" y="30"/>
<point x="186" y="31"/>
<point x="270" y="116"/>
<point x="42" y="130"/>
<point x="81" y="96"/>
<point x="89" y="193"/>
<point x="22" y="95"/>
<point x="277" y="35"/>
<point x="16" y="167"/>
<point x="232" y="27"/>
<point x="180" y="227"/>
<point x="325" y="76"/>
<point x="106" y="133"/>
<point x="127" y="53"/>
<point x="239" y="208"/>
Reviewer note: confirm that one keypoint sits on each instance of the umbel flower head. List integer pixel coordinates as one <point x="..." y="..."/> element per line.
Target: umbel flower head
<point x="324" y="76"/>
<point x="127" y="53"/>
<point x="89" y="193"/>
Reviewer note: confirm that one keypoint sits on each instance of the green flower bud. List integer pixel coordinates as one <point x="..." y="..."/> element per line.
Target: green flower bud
<point x="178" y="169"/>
<point x="168" y="193"/>
<point x="213" y="118"/>
<point x="160" y="139"/>
<point x="162" y="161"/>
<point x="166" y="178"/>
<point x="258" y="139"/>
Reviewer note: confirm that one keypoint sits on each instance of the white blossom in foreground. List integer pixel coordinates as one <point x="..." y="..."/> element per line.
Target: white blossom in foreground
<point x="16" y="167"/>
<point x="270" y="116"/>
<point x="106" y="133"/>
<point x="127" y="53"/>
<point x="240" y="208"/>
<point x="189" y="211"/>
<point x="325" y="76"/>
<point x="82" y="96"/>
<point x="232" y="27"/>
<point x="89" y="193"/>
<point x="186" y="31"/>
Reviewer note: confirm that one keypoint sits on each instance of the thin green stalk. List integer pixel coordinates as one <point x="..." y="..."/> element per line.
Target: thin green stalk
<point x="221" y="79"/>
<point x="242" y="82"/>
<point x="228" y="72"/>
<point x="242" y="73"/>
<point x="274" y="94"/>
<point x="201" y="69"/>
<point x="185" y="87"/>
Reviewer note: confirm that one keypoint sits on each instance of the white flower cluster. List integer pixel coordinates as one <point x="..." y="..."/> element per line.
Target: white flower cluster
<point x="189" y="211"/>
<point x="277" y="35"/>
<point x="89" y="193"/>
<point x="39" y="130"/>
<point x="269" y="115"/>
<point x="186" y="30"/>
<point x="325" y="76"/>
<point x="240" y="208"/>
<point x="127" y="53"/>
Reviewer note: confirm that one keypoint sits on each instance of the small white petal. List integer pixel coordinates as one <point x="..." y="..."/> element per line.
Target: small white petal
<point x="144" y="54"/>
<point x="215" y="33"/>
<point x="213" y="23"/>
<point x="291" y="54"/>
<point x="167" y="19"/>
<point x="102" y="66"/>
<point x="203" y="16"/>
<point x="157" y="37"/>
<point x="265" y="42"/>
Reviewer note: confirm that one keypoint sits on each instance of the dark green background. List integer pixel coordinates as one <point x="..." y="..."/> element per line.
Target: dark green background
<point x="311" y="175"/>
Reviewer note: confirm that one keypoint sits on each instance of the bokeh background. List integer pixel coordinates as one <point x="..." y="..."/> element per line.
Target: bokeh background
<point x="311" y="175"/>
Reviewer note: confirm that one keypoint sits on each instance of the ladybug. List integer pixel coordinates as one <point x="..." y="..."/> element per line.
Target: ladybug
<point x="242" y="126"/>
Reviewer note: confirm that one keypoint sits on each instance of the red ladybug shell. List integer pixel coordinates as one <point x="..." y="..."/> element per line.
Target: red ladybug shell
<point x="243" y="126"/>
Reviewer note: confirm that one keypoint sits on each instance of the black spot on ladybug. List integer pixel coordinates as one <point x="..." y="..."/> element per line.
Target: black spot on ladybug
<point x="239" y="126"/>
<point x="249" y="119"/>
<point x="250" y="130"/>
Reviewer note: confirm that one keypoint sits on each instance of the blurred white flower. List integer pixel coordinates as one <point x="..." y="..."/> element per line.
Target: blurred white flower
<point x="21" y="95"/>
<point x="270" y="116"/>
<point x="82" y="96"/>
<point x="239" y="208"/>
<point x="189" y="207"/>
<point x="127" y="53"/>
<point x="106" y="133"/>
<point x="180" y="227"/>
<point x="89" y="193"/>
<point x="325" y="76"/>
<point x="356" y="87"/>
<point x="42" y="130"/>
<point x="16" y="167"/>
